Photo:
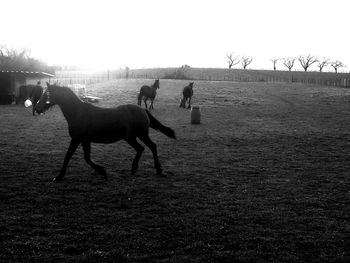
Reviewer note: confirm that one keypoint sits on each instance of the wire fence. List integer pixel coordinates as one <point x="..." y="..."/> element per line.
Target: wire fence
<point x="237" y="75"/>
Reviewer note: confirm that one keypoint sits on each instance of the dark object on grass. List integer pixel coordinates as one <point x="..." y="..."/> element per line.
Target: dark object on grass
<point x="148" y="92"/>
<point x="187" y="93"/>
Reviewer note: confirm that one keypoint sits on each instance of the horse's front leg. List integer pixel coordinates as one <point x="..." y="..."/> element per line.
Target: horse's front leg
<point x="151" y="106"/>
<point x="139" y="98"/>
<point x="34" y="104"/>
<point x="189" y="103"/>
<point x="87" y="154"/>
<point x="72" y="147"/>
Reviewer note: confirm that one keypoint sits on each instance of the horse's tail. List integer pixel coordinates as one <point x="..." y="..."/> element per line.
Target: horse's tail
<point x="155" y="124"/>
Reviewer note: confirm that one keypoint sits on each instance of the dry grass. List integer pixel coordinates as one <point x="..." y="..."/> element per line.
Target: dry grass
<point x="264" y="178"/>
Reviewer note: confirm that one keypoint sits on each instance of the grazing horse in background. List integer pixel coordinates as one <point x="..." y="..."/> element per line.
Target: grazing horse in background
<point x="147" y="92"/>
<point x="187" y="94"/>
<point x="91" y="124"/>
<point x="32" y="92"/>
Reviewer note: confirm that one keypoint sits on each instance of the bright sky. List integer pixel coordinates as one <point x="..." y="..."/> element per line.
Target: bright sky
<point x="109" y="34"/>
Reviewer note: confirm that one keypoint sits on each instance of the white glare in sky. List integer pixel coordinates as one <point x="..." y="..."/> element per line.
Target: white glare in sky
<point x="159" y="33"/>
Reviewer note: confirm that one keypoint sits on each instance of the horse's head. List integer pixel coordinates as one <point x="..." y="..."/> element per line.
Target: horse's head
<point x="191" y="84"/>
<point x="156" y="84"/>
<point x="46" y="100"/>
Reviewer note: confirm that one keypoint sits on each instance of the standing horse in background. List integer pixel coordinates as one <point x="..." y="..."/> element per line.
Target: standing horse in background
<point x="187" y="93"/>
<point x="91" y="124"/>
<point x="32" y="92"/>
<point x="147" y="92"/>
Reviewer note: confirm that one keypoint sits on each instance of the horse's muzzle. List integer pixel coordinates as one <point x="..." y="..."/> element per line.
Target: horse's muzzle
<point x="39" y="111"/>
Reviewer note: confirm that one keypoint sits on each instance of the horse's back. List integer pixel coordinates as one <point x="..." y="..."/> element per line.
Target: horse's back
<point x="121" y="111"/>
<point x="128" y="114"/>
<point x="130" y="110"/>
<point x="106" y="125"/>
<point x="132" y="114"/>
<point x="147" y="91"/>
<point x="135" y="118"/>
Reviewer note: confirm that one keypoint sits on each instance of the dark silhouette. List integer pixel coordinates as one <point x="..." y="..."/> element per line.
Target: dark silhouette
<point x="91" y="124"/>
<point x="147" y="92"/>
<point x="32" y="92"/>
<point x="187" y="95"/>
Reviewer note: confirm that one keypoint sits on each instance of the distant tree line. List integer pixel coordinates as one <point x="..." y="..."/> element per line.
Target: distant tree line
<point x="289" y="62"/>
<point x="21" y="60"/>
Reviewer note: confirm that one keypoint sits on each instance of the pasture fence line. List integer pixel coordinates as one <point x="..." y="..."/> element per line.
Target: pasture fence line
<point x="314" y="78"/>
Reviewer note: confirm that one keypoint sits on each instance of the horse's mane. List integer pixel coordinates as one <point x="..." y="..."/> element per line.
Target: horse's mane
<point x="64" y="89"/>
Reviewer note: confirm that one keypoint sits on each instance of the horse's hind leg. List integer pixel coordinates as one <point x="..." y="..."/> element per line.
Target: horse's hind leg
<point x="139" y="149"/>
<point x="87" y="153"/>
<point x="189" y="102"/>
<point x="153" y="148"/>
<point x="72" y="147"/>
<point x="185" y="101"/>
<point x="182" y="103"/>
<point x="145" y="102"/>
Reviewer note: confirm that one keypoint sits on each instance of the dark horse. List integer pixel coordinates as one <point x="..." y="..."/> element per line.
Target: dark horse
<point x="187" y="93"/>
<point x="91" y="124"/>
<point x="147" y="92"/>
<point x="32" y="92"/>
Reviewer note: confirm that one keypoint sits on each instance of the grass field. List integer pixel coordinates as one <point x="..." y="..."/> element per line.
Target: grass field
<point x="263" y="178"/>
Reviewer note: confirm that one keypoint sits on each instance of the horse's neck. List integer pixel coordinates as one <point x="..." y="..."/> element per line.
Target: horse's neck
<point x="70" y="107"/>
<point x="154" y="88"/>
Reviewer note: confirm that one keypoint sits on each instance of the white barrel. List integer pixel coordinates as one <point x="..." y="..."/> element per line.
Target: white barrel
<point x="195" y="115"/>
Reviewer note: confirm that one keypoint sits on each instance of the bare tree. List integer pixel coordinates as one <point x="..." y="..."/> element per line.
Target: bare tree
<point x="246" y="61"/>
<point x="337" y="64"/>
<point x="288" y="62"/>
<point x="13" y="59"/>
<point x="3" y="50"/>
<point x="324" y="62"/>
<point x="306" y="61"/>
<point x="274" y="61"/>
<point x="232" y="60"/>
